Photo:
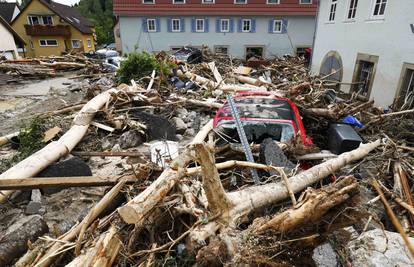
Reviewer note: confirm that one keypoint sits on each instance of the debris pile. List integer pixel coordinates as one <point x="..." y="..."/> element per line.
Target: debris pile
<point x="170" y="187"/>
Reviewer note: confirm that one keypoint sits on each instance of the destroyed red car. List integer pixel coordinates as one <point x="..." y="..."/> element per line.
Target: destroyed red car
<point x="264" y="115"/>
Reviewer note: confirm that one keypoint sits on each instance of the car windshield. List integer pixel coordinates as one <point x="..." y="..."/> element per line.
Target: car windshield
<point x="263" y="108"/>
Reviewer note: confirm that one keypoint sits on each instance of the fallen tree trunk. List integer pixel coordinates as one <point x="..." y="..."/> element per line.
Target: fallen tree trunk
<point x="6" y="139"/>
<point x="316" y="203"/>
<point x="32" y="165"/>
<point x="14" y="242"/>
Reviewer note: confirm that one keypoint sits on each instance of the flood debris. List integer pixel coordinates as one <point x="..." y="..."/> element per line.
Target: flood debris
<point x="159" y="176"/>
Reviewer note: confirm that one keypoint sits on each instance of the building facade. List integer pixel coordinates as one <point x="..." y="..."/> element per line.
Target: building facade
<point x="241" y="28"/>
<point x="50" y="28"/>
<point x="9" y="41"/>
<point x="369" y="47"/>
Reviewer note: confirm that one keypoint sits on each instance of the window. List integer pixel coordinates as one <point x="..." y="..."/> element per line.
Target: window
<point x="273" y="1"/>
<point x="224" y="25"/>
<point x="33" y="20"/>
<point x="47" y="20"/>
<point x="151" y="25"/>
<point x="254" y="52"/>
<point x="221" y="49"/>
<point x="178" y="1"/>
<point x="208" y="1"/>
<point x="240" y="1"/>
<point x="48" y="42"/>
<point x="246" y="25"/>
<point x="148" y="1"/>
<point x="199" y="25"/>
<point x="76" y="43"/>
<point x="176" y="27"/>
<point x="378" y="9"/>
<point x="302" y="2"/>
<point x="332" y="12"/>
<point x="277" y="26"/>
<point x="407" y="89"/>
<point x="352" y="9"/>
<point x="89" y="43"/>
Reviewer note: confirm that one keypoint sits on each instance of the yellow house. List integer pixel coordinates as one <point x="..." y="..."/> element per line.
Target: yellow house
<point x="49" y="28"/>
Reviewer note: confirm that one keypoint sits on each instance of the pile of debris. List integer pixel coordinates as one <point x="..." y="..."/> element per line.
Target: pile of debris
<point x="187" y="189"/>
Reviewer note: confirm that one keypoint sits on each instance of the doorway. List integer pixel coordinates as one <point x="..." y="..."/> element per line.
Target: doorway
<point x="405" y="99"/>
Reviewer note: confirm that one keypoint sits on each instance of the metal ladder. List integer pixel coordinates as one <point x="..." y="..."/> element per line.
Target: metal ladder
<point x="242" y="136"/>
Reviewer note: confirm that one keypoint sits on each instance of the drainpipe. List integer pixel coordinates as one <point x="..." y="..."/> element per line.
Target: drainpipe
<point x="315" y="32"/>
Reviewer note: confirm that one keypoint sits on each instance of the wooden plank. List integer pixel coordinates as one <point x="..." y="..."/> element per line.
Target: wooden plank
<point x="76" y="181"/>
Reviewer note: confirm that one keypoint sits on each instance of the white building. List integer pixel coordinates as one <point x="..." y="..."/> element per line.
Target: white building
<point x="370" y="45"/>
<point x="8" y="40"/>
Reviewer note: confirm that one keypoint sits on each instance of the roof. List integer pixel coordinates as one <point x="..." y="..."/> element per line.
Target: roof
<point x="7" y="10"/>
<point x="70" y="14"/>
<point x="220" y="7"/>
<point x="10" y="29"/>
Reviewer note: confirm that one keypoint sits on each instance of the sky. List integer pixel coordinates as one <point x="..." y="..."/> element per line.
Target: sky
<point x="66" y="2"/>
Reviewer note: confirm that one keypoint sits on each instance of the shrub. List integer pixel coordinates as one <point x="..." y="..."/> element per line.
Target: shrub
<point x="138" y="65"/>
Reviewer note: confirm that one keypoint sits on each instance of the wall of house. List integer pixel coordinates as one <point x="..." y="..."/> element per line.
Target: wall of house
<point x="300" y="31"/>
<point x="391" y="39"/>
<point x="77" y="35"/>
<point x="7" y="44"/>
<point x="117" y="35"/>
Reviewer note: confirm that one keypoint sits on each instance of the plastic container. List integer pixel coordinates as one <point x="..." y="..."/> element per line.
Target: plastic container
<point x="163" y="152"/>
<point x="342" y="138"/>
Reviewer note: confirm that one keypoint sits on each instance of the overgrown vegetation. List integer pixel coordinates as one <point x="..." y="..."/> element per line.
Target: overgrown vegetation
<point x="30" y="141"/>
<point x="140" y="64"/>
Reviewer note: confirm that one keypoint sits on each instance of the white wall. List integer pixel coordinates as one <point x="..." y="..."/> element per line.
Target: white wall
<point x="7" y="41"/>
<point x="391" y="39"/>
<point x="300" y="30"/>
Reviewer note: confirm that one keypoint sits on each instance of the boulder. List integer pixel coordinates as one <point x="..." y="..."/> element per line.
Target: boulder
<point x="179" y="124"/>
<point x="325" y="256"/>
<point x="131" y="138"/>
<point x="379" y="248"/>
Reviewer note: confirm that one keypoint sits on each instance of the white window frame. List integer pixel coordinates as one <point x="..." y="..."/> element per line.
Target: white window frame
<point x="148" y="2"/>
<point x="208" y="2"/>
<point x="269" y="3"/>
<point x="80" y="43"/>
<point x="373" y="4"/>
<point x="89" y="42"/>
<point x="51" y="18"/>
<point x="349" y="9"/>
<point x="221" y="25"/>
<point x="333" y="3"/>
<point x="301" y="2"/>
<point x="179" y="25"/>
<point x="250" y="25"/>
<point x="155" y="25"/>
<point x="238" y="3"/>
<point x="203" y="28"/>
<point x="274" y="26"/>
<point x="181" y="2"/>
<point x="30" y="20"/>
<point x="46" y="40"/>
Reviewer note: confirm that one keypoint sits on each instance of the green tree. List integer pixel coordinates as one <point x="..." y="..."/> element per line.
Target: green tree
<point x="100" y="13"/>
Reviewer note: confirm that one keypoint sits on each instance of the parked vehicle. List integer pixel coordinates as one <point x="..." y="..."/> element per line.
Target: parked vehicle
<point x="264" y="115"/>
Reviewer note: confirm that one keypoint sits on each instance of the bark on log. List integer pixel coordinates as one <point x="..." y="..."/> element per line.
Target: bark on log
<point x="32" y="165"/>
<point x="102" y="254"/>
<point x="315" y="204"/>
<point x="13" y="243"/>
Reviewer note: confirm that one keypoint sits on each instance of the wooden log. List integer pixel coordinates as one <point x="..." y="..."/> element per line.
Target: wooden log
<point x="14" y="242"/>
<point x="104" y="154"/>
<point x="216" y="73"/>
<point x="199" y="103"/>
<point x="315" y="204"/>
<point x="64" y="182"/>
<point x="102" y="254"/>
<point x="6" y="139"/>
<point x="251" y="81"/>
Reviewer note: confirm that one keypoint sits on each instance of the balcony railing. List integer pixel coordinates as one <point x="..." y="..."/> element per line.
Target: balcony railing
<point x="48" y="30"/>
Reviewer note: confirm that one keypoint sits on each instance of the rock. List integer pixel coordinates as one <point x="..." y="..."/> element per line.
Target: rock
<point x="271" y="154"/>
<point x="379" y="248"/>
<point x="181" y="112"/>
<point x="179" y="124"/>
<point x="35" y="204"/>
<point x="158" y="128"/>
<point x="69" y="167"/>
<point x="189" y="132"/>
<point x="116" y="148"/>
<point x="179" y="137"/>
<point x="131" y="138"/>
<point x="107" y="143"/>
<point x="325" y="256"/>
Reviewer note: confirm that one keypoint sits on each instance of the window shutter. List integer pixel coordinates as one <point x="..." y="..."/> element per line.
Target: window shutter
<point x="218" y="25"/>
<point x="182" y="25"/>
<point x="158" y="25"/>
<point x="144" y="25"/>
<point x="270" y="28"/>
<point x="239" y="25"/>
<point x="193" y="25"/>
<point x="231" y="26"/>
<point x="284" y="26"/>
<point x="253" y="29"/>
<point x="169" y="25"/>
<point x="206" y="24"/>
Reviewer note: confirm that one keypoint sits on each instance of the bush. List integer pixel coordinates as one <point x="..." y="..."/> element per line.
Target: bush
<point x="138" y="65"/>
